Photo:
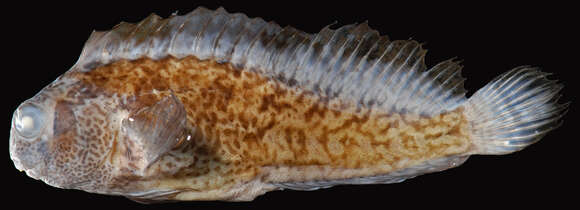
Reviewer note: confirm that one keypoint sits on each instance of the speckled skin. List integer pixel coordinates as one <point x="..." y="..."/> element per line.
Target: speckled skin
<point x="249" y="131"/>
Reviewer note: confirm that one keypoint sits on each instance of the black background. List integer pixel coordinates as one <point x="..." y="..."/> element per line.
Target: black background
<point x="41" y="41"/>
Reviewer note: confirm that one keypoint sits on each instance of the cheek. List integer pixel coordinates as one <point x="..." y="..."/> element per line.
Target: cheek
<point x="66" y="145"/>
<point x="85" y="149"/>
<point x="67" y="150"/>
<point x="81" y="136"/>
<point x="78" y="157"/>
<point x="96" y="138"/>
<point x="64" y="118"/>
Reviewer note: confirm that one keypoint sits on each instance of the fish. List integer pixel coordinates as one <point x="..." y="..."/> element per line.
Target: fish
<point x="214" y="105"/>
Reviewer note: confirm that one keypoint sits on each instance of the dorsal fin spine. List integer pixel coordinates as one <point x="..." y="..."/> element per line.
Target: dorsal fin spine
<point x="266" y="54"/>
<point x="292" y="54"/>
<point x="251" y="50"/>
<point x="455" y="98"/>
<point x="129" y="45"/>
<point x="177" y="45"/>
<point x="263" y="55"/>
<point x="265" y="66"/>
<point x="325" y="57"/>
<point x="349" y="62"/>
<point x="406" y="80"/>
<point x="446" y="93"/>
<point x="375" y="73"/>
<point x="267" y="61"/>
<point x="198" y="40"/>
<point x="441" y="92"/>
<point x="280" y="59"/>
<point x="214" y="45"/>
<point x="158" y="24"/>
<point x="360" y="72"/>
<point x="174" y="33"/>
<point x="379" y="71"/>
<point x="242" y="46"/>
<point x="230" y="55"/>
<point x="422" y="85"/>
<point x="219" y="45"/>
<point x="333" y="71"/>
<point x="390" y="73"/>
<point x="110" y="52"/>
<point x="152" y="42"/>
<point x="403" y="80"/>
<point x="202" y="23"/>
<point x="299" y="70"/>
<point x="205" y="40"/>
<point x="414" y="73"/>
<point x="354" y="61"/>
<point x="430" y="90"/>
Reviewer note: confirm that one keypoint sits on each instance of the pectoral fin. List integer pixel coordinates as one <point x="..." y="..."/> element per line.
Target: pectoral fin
<point x="156" y="129"/>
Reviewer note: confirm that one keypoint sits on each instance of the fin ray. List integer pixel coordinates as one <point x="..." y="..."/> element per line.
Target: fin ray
<point x="352" y="62"/>
<point x="156" y="129"/>
<point x="514" y="110"/>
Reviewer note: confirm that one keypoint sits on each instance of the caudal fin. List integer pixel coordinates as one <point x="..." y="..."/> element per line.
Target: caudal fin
<point x="514" y="110"/>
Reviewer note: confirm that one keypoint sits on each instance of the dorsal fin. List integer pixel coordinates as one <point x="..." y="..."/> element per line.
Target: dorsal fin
<point x="352" y="62"/>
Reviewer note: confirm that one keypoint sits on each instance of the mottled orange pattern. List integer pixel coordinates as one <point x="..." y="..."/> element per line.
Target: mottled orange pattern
<point x="249" y="123"/>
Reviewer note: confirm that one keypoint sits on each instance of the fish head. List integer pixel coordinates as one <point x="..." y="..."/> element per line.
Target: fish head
<point x="61" y="135"/>
<point x="75" y="134"/>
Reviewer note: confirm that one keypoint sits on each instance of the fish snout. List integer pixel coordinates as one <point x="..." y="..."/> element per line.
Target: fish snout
<point x="28" y="139"/>
<point x="28" y="157"/>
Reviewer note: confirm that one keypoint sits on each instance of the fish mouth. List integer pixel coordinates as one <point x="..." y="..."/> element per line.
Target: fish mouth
<point x="31" y="169"/>
<point x="35" y="169"/>
<point x="17" y="164"/>
<point x="32" y="174"/>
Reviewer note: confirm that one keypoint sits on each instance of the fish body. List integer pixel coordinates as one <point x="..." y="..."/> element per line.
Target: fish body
<point x="218" y="106"/>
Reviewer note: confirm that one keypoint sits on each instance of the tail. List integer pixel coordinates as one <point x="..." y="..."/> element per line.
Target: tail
<point x="514" y="110"/>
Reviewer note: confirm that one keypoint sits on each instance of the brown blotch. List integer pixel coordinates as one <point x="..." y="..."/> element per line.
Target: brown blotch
<point x="267" y="101"/>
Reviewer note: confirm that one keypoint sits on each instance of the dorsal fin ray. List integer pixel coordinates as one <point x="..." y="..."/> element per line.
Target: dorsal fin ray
<point x="352" y="62"/>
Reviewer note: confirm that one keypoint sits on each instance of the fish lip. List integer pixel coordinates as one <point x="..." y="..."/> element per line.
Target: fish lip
<point x="36" y="171"/>
<point x="32" y="174"/>
<point x="17" y="164"/>
<point x="11" y="148"/>
<point x="41" y="176"/>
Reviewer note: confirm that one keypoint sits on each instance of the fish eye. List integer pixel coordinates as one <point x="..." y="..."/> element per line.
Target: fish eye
<point x="29" y="120"/>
